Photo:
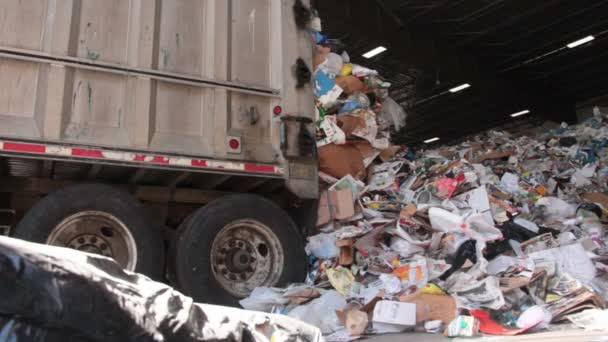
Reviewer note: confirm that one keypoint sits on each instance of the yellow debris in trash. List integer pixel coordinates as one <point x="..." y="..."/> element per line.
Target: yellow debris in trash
<point x="552" y="298"/>
<point x="432" y="289"/>
<point x="341" y="279"/>
<point x="347" y="69"/>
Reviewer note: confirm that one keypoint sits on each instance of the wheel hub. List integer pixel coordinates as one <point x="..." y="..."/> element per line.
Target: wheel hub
<point x="97" y="232"/>
<point x="241" y="261"/>
<point x="236" y="259"/>
<point x="244" y="255"/>
<point x="91" y="244"/>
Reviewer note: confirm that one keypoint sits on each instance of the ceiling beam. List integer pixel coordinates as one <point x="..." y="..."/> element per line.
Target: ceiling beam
<point x="508" y="22"/>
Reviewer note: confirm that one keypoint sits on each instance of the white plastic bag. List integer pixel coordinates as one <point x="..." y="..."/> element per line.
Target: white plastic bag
<point x="556" y="207"/>
<point x="477" y="228"/>
<point x="473" y="226"/>
<point x="323" y="246"/>
<point x="390" y="283"/>
<point x="445" y="221"/>
<point x="534" y="318"/>
<point x="334" y="64"/>
<point x="405" y="248"/>
<point x="345" y="57"/>
<point x="361" y="71"/>
<point x="264" y="299"/>
<point x="510" y="183"/>
<point x="529" y="225"/>
<point x="392" y="114"/>
<point x="321" y="312"/>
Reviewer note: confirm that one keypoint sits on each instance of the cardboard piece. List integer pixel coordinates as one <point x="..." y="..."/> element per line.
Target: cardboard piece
<point x="447" y="153"/>
<point x="323" y="212"/>
<point x="369" y="241"/>
<point x="387" y="154"/>
<point x="397" y="313"/>
<point x="578" y="301"/>
<point x="355" y="321"/>
<point x="347" y="251"/>
<point x="335" y="205"/>
<point x="432" y="307"/>
<point x="494" y="155"/>
<point x="350" y="84"/>
<point x="350" y="123"/>
<point x="368" y="152"/>
<point x="408" y="211"/>
<point x="371" y="305"/>
<point x="596" y="197"/>
<point x="342" y="203"/>
<point x="341" y="160"/>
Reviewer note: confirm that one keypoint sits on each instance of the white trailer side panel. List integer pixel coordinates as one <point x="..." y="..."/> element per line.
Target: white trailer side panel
<point x="179" y="76"/>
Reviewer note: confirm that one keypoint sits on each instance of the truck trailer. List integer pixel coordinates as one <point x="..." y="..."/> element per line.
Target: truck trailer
<point x="172" y="136"/>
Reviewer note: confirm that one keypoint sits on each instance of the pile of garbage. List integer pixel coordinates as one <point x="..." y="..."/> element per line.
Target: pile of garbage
<point x="354" y="111"/>
<point x="497" y="235"/>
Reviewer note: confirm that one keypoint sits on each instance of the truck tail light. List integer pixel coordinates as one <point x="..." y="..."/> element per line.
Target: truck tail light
<point x="234" y="144"/>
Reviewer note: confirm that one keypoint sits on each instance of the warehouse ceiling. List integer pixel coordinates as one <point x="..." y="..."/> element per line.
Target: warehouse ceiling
<point x="513" y="53"/>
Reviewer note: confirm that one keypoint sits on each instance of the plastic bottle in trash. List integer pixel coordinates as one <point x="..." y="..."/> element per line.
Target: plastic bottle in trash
<point x="355" y="101"/>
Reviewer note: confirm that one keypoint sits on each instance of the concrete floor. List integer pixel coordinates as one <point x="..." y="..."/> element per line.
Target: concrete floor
<point x="557" y="334"/>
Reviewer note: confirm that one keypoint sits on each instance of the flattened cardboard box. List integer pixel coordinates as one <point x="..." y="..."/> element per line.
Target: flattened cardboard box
<point x="335" y="205"/>
<point x="432" y="307"/>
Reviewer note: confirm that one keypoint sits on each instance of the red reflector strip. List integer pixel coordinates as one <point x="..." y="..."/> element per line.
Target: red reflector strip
<point x="22" y="147"/>
<point x="83" y="152"/>
<point x="199" y="162"/>
<point x="151" y="159"/>
<point x="260" y="168"/>
<point x="160" y="160"/>
<point x="124" y="156"/>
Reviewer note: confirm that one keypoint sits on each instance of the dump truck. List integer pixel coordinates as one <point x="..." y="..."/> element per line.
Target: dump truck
<point x="172" y="136"/>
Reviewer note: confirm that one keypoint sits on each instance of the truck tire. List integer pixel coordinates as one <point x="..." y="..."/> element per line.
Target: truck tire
<point x="99" y="219"/>
<point x="233" y="245"/>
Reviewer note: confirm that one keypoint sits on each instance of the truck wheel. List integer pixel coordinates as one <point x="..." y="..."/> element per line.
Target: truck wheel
<point x="235" y="244"/>
<point x="97" y="219"/>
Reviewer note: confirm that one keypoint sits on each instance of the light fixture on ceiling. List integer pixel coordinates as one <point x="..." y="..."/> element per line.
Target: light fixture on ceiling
<point x="428" y="141"/>
<point x="523" y="112"/>
<point x="580" y="42"/>
<point x="459" y="88"/>
<point x="374" y="52"/>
